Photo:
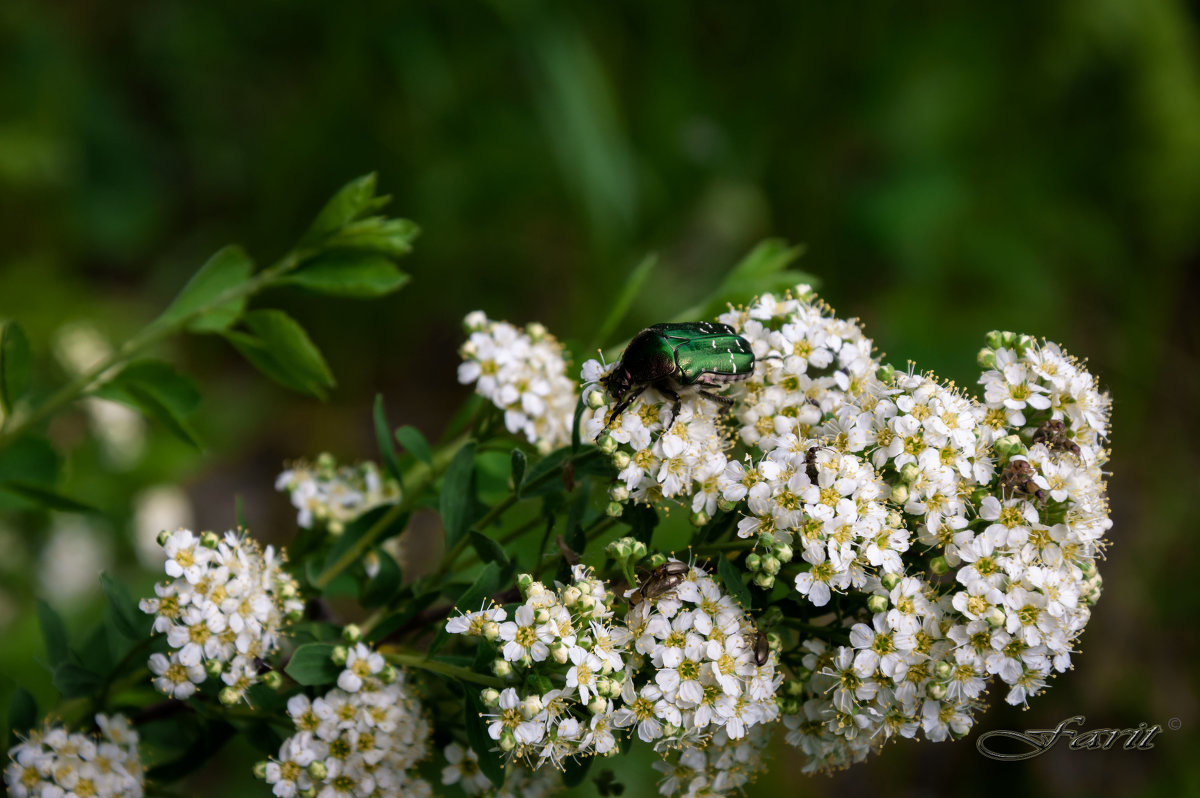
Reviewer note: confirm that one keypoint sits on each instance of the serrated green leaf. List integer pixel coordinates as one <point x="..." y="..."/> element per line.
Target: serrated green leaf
<point x="732" y="580"/>
<point x="414" y="442"/>
<point x="519" y="461"/>
<point x="280" y="348"/>
<point x="481" y="742"/>
<point x="75" y="681"/>
<point x="350" y="202"/>
<point x="47" y="498"/>
<point x="487" y="549"/>
<point x="160" y="392"/>
<point x="457" y="501"/>
<point x="386" y="450"/>
<point x="385" y="584"/>
<point x="14" y="364"/>
<point x="53" y="633"/>
<point x="128" y="619"/>
<point x="312" y="664"/>
<point x="348" y="273"/>
<point x="202" y="298"/>
<point x="22" y="715"/>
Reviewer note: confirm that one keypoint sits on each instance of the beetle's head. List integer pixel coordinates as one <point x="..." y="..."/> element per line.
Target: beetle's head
<point x="616" y="383"/>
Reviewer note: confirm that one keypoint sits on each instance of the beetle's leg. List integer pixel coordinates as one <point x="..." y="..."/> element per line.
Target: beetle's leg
<point x="620" y="408"/>
<point x="724" y="401"/>
<point x="667" y="389"/>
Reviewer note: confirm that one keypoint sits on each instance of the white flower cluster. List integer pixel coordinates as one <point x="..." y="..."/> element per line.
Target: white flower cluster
<point x="223" y="610"/>
<point x="723" y="767"/>
<point x="55" y="763"/>
<point x="524" y="373"/>
<point x="364" y="738"/>
<point x="462" y="768"/>
<point x="955" y="538"/>
<point x="331" y="496"/>
<point x="567" y="634"/>
<point x="701" y="659"/>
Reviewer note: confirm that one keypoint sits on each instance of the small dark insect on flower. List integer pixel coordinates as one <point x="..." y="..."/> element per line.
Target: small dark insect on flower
<point x="762" y="649"/>
<point x="1053" y="434"/>
<point x="1018" y="479"/>
<point x="662" y="579"/>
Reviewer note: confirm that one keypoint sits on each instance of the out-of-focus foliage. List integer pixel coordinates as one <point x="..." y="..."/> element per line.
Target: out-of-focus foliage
<point x="1034" y="167"/>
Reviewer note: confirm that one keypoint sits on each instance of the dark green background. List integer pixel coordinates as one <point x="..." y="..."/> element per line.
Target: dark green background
<point x="1028" y="166"/>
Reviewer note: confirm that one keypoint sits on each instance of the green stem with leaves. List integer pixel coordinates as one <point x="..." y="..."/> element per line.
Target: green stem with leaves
<point x="444" y="668"/>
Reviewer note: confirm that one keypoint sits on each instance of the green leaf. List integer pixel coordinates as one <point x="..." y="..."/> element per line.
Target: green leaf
<point x="379" y="234"/>
<point x="129" y="620"/>
<point x="75" y="681"/>
<point x="487" y="583"/>
<point x="280" y="348"/>
<point x="47" y="498"/>
<point x="14" y="364"/>
<point x="311" y="664"/>
<point x="412" y="440"/>
<point x="457" y="501"/>
<point x="352" y="200"/>
<point x="734" y="585"/>
<point x="386" y="450"/>
<point x="763" y="270"/>
<point x="160" y="392"/>
<point x="22" y="714"/>
<point x="487" y="549"/>
<point x="385" y="584"/>
<point x="481" y="742"/>
<point x="619" y="308"/>
<point x="54" y="633"/>
<point x="519" y="461"/>
<point x="359" y="275"/>
<point x="202" y="298"/>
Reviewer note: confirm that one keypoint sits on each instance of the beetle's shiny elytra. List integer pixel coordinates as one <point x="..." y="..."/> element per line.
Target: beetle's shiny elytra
<point x="662" y="579"/>
<point x="762" y="649"/>
<point x="674" y="356"/>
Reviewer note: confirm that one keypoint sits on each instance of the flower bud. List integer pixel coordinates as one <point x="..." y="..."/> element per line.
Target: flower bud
<point x="726" y="505"/>
<point x="699" y="518"/>
<point x="784" y="552"/>
<point x="938" y="565"/>
<point x="656" y="559"/>
<point x="620" y="460"/>
<point x="889" y="581"/>
<point x="272" y="680"/>
<point x="1087" y="568"/>
<point x="900" y="494"/>
<point x="209" y="540"/>
<point x="597" y="705"/>
<point x="986" y="358"/>
<point x="753" y="561"/>
<point x="618" y="492"/>
<point x="764" y="580"/>
<point x="942" y="671"/>
<point x="524" y="581"/>
<point x="491" y="630"/>
<point x="339" y="655"/>
<point x="766" y="540"/>
<point x="351" y="633"/>
<point x="541" y="615"/>
<point x="163" y="537"/>
<point x="1008" y="446"/>
<point x="614" y="510"/>
<point x="214" y="667"/>
<point x="535" y="330"/>
<point x="608" y="687"/>
<point x="996" y="618"/>
<point x="507" y="741"/>
<point x="317" y="770"/>
<point x="995" y="339"/>
<point x="586" y="605"/>
<point x="770" y="565"/>
<point x="260" y="770"/>
<point x="936" y="691"/>
<point x="607" y="443"/>
<point x="389" y="674"/>
<point x="909" y="472"/>
<point x="490" y="697"/>
<point x="885" y="373"/>
<point x="502" y="668"/>
<point x="531" y="706"/>
<point x="877" y="604"/>
<point x="560" y="652"/>
<point x="596" y="399"/>
<point x="570" y="597"/>
<point x="228" y="696"/>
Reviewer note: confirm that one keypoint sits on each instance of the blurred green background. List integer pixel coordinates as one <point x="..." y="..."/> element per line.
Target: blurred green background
<point x="1033" y="166"/>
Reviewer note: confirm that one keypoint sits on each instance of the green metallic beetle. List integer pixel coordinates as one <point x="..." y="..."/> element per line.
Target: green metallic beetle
<point x="669" y="357"/>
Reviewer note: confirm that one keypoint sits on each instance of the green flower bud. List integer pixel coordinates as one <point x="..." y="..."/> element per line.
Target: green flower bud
<point x="214" y="668"/>
<point x="260" y="770"/>
<point x="614" y="510"/>
<point x="536" y="331"/>
<point x="699" y="519"/>
<point x="894" y="519"/>
<point x="389" y="674"/>
<point x="784" y="552"/>
<point x="639" y="550"/>
<point x="339" y="655"/>
<point x="502" y="668"/>
<point x="597" y="705"/>
<point x="163" y="537"/>
<point x="607" y="443"/>
<point x="766" y="540"/>
<point x="317" y="770"/>
<point x="1087" y="568"/>
<point x="753" y="561"/>
<point x="726" y="505"/>
<point x="531" y="706"/>
<point x="938" y="565"/>
<point x="885" y="373"/>
<point x="524" y="581"/>
<point x="996" y="618"/>
<point x="942" y="671"/>
<point x="764" y="580"/>
<point x="596" y="399"/>
<point x="994" y="339"/>
<point x="209" y="540"/>
<point x="620" y="460"/>
<point x="900" y="494"/>
<point x="618" y="493"/>
<point x="228" y="696"/>
<point x="490" y="697"/>
<point x="491" y="630"/>
<point x="272" y="680"/>
<point x="1008" y="446"/>
<point x="507" y="741"/>
<point x="936" y="691"/>
<point x="877" y="604"/>
<point x="351" y="633"/>
<point x="656" y="559"/>
<point x="889" y="581"/>
<point x="909" y="472"/>
<point x="770" y="565"/>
